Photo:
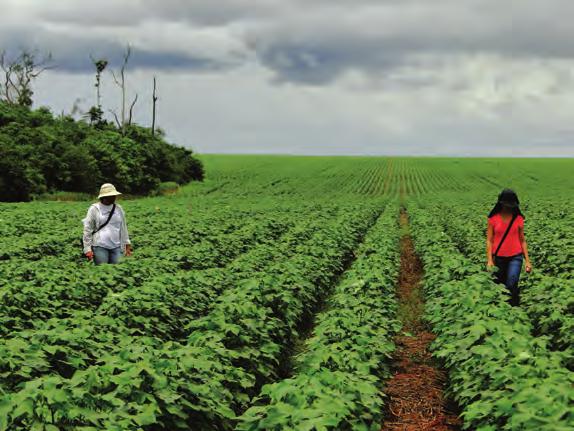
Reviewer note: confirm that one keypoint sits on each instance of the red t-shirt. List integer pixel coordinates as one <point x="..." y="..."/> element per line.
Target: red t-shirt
<point x="511" y="245"/>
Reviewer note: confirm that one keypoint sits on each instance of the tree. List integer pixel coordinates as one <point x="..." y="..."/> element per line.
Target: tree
<point x="154" y="105"/>
<point x="96" y="114"/>
<point x="19" y="178"/>
<point x="19" y="73"/>
<point x="121" y="82"/>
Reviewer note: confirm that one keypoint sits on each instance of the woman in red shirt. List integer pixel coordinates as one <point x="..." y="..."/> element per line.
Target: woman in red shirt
<point x="508" y="255"/>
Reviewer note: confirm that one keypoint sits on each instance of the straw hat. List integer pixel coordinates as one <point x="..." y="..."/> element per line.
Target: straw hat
<point x="108" y="190"/>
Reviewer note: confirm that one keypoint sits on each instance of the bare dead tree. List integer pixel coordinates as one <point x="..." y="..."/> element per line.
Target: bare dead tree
<point x="121" y="82"/>
<point x="7" y="91"/>
<point x="154" y="105"/>
<point x="116" y="118"/>
<point x="132" y="110"/>
<point x="6" y="80"/>
<point x="19" y="73"/>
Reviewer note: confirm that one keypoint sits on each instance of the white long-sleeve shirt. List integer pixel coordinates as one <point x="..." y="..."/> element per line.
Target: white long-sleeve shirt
<point x="115" y="234"/>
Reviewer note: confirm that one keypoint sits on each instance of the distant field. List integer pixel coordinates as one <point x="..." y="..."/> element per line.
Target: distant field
<point x="374" y="176"/>
<point x="263" y="299"/>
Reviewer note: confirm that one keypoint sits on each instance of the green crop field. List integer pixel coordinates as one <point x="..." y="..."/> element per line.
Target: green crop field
<point x="264" y="299"/>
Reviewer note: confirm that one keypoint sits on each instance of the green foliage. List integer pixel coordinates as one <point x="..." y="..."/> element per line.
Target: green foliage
<point x="340" y="373"/>
<point x="40" y="153"/>
<point x="180" y="338"/>
<point x="501" y="376"/>
<point x="198" y="329"/>
<point x="549" y="302"/>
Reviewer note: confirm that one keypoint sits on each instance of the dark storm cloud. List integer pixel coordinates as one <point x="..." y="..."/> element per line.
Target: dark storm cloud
<point x="73" y="54"/>
<point x="317" y="48"/>
<point x="311" y="41"/>
<point x="321" y="63"/>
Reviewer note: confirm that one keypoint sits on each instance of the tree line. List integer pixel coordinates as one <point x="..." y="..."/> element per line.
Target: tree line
<point x="42" y="153"/>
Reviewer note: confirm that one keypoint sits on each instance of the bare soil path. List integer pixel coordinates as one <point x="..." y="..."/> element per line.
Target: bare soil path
<point x="416" y="400"/>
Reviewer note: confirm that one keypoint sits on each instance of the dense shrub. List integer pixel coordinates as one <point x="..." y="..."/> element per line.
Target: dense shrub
<point x="41" y="153"/>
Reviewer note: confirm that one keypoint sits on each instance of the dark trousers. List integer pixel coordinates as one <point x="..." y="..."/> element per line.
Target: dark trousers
<point x="508" y="273"/>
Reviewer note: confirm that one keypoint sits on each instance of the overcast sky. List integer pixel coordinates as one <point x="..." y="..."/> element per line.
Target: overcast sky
<point x="394" y="77"/>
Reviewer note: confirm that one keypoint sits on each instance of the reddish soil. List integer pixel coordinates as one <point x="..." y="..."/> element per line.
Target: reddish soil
<point x="415" y="400"/>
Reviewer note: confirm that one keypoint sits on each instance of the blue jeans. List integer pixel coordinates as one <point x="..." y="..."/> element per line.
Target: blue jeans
<point x="508" y="274"/>
<point x="106" y="255"/>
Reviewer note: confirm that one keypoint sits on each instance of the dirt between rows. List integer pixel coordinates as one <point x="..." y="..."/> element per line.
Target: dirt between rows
<point x="415" y="393"/>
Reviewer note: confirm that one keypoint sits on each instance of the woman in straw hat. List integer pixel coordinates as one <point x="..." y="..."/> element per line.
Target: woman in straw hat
<point x="506" y="244"/>
<point x="105" y="229"/>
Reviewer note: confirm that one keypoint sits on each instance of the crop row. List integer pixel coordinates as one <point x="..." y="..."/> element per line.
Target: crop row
<point x="549" y="303"/>
<point x="37" y="291"/>
<point x="502" y="377"/>
<point x="338" y="378"/>
<point x="204" y="382"/>
<point x="173" y="234"/>
<point x="77" y="322"/>
<point x="52" y="288"/>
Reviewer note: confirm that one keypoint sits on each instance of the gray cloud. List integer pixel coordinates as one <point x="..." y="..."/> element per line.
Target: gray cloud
<point x="73" y="54"/>
<point x="321" y="63"/>
<point x="321" y="44"/>
<point x="197" y="12"/>
<point x="309" y="41"/>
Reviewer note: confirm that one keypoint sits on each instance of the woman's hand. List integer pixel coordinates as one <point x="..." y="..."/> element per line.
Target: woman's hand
<point x="489" y="264"/>
<point x="90" y="255"/>
<point x="128" y="252"/>
<point x="528" y="267"/>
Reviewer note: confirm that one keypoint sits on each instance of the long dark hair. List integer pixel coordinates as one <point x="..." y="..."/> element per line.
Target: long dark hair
<point x="507" y="198"/>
